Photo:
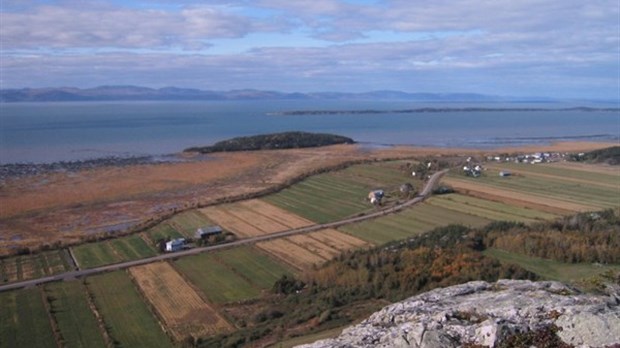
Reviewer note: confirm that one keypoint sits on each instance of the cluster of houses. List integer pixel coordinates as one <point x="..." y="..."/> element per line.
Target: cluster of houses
<point x="201" y="233"/>
<point x="537" y="157"/>
<point x="472" y="169"/>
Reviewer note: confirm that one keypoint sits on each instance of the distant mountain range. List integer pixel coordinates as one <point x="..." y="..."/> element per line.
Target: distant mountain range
<point x="119" y="93"/>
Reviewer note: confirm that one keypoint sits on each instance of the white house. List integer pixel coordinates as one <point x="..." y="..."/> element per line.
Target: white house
<point x="175" y="244"/>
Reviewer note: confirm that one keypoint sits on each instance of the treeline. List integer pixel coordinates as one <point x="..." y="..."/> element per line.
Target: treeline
<point x="584" y="237"/>
<point x="610" y="155"/>
<point x="286" y="140"/>
<point x="358" y="283"/>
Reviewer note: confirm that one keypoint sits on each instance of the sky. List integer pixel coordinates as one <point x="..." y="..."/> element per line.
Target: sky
<point x="550" y="48"/>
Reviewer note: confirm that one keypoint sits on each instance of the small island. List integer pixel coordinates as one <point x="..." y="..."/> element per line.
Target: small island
<point x="274" y="141"/>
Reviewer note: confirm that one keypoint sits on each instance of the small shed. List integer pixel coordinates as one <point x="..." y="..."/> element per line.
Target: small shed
<point x="206" y="232"/>
<point x="175" y="244"/>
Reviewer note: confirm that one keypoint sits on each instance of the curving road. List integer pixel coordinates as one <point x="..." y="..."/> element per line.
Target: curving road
<point x="426" y="191"/>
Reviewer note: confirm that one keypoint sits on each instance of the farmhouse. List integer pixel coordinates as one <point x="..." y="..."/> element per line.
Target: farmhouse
<point x="206" y="232"/>
<point x="376" y="196"/>
<point x="175" y="244"/>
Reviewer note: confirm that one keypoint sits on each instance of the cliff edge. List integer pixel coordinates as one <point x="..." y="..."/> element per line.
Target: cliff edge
<point x="508" y="313"/>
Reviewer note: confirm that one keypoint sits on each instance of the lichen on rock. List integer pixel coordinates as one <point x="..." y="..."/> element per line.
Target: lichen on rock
<point x="486" y="314"/>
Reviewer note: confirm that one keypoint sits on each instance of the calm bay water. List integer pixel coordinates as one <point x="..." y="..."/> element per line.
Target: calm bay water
<point x="49" y="132"/>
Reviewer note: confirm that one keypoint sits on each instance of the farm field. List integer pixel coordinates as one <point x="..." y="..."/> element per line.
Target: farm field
<point x="489" y="209"/>
<point x="334" y="196"/>
<point x="550" y="269"/>
<point x="26" y="267"/>
<point x="573" y="192"/>
<point x="412" y="221"/>
<point x="232" y="275"/>
<point x="24" y="321"/>
<point x="112" y="251"/>
<point x="126" y="316"/>
<point x="253" y="218"/>
<point x="188" y="222"/>
<point x="69" y="306"/>
<point x="162" y="231"/>
<point x="305" y="250"/>
<point x="181" y="308"/>
<point x="590" y="174"/>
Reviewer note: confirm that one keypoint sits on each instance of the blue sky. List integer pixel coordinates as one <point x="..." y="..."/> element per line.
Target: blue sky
<point x="554" y="48"/>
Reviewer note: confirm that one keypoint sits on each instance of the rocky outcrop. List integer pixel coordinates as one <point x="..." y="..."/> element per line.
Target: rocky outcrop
<point x="486" y="314"/>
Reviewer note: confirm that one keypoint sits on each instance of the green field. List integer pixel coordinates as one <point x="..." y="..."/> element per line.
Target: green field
<point x="162" y="231"/>
<point x="334" y="196"/>
<point x="489" y="209"/>
<point x="38" y="265"/>
<point x="232" y="275"/>
<point x="561" y="172"/>
<point x="112" y="251"/>
<point x="127" y="318"/>
<point x="550" y="269"/>
<point x="69" y="305"/>
<point x="552" y="187"/>
<point x="24" y="321"/>
<point x="415" y="220"/>
<point x="188" y="222"/>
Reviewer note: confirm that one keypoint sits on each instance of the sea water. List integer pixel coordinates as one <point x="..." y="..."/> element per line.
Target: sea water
<point x="50" y="132"/>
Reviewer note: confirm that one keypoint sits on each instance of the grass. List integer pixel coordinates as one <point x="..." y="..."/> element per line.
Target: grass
<point x="253" y="265"/>
<point x="37" y="265"/>
<point x="232" y="275"/>
<point x="94" y="254"/>
<point x="162" y="231"/>
<point x="549" y="169"/>
<point x="418" y="219"/>
<point x="557" y="188"/>
<point x="216" y="280"/>
<point x="69" y="305"/>
<point x="108" y="252"/>
<point x="125" y="314"/>
<point x="188" y="222"/>
<point x="489" y="209"/>
<point x="333" y="196"/>
<point x="24" y="321"/>
<point x="550" y="269"/>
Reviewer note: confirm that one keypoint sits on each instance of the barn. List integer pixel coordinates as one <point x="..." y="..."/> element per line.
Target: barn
<point x="206" y="232"/>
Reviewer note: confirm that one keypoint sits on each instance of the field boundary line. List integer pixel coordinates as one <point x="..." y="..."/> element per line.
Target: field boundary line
<point x="424" y="194"/>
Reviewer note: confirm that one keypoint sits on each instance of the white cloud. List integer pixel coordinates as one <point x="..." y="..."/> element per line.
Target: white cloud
<point x="320" y="44"/>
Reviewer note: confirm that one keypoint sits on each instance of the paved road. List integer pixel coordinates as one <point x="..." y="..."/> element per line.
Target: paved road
<point x="83" y="273"/>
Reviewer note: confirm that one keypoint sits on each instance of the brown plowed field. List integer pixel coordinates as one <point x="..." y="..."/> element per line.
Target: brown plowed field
<point x="510" y="196"/>
<point x="253" y="218"/>
<point x="291" y="253"/>
<point x="304" y="250"/>
<point x="314" y="246"/>
<point x="338" y="240"/>
<point x="275" y="213"/>
<point x="181" y="308"/>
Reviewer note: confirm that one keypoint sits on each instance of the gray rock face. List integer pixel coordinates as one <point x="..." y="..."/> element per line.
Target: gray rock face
<point x="486" y="313"/>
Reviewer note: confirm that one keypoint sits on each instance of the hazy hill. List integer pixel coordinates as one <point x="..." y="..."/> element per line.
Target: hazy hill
<point x="105" y="93"/>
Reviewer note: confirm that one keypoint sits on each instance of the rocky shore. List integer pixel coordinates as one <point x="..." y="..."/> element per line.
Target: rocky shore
<point x="481" y="314"/>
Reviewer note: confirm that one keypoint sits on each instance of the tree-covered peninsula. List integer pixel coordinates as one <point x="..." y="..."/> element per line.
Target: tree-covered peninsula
<point x="286" y="140"/>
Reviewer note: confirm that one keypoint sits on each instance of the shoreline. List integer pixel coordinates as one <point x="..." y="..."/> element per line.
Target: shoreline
<point x="28" y="169"/>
